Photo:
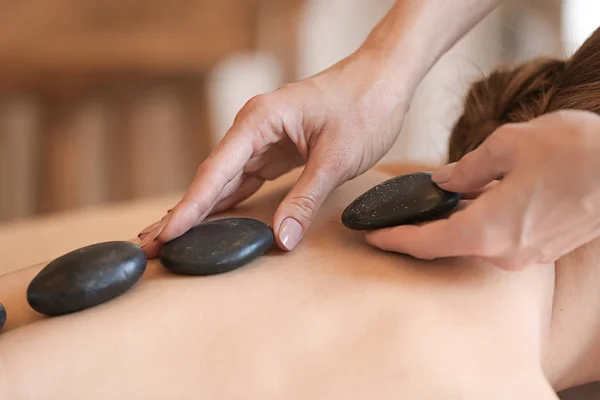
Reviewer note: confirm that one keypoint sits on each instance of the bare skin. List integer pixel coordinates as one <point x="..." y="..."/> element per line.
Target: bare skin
<point x="541" y="198"/>
<point x="338" y="123"/>
<point x="333" y="319"/>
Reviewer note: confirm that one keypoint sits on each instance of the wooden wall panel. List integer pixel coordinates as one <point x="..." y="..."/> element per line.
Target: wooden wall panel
<point x="151" y="36"/>
<point x="117" y="103"/>
<point x="157" y="126"/>
<point x="74" y="150"/>
<point x="19" y="150"/>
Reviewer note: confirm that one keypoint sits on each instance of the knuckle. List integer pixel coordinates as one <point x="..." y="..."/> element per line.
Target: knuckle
<point x="498" y="145"/>
<point x="305" y="207"/>
<point x="202" y="171"/>
<point x="219" y="176"/>
<point x="462" y="170"/>
<point x="502" y="148"/>
<point x="199" y="205"/>
<point x="257" y="102"/>
<point x="508" y="133"/>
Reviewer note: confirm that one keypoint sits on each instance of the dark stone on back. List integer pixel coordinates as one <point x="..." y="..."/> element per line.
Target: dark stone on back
<point x="217" y="246"/>
<point x="406" y="199"/>
<point x="2" y="316"/>
<point x="86" y="277"/>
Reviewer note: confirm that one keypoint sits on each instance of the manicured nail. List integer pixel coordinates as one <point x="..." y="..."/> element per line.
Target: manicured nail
<point x="155" y="233"/>
<point x="290" y="233"/>
<point x="444" y="174"/>
<point x="148" y="229"/>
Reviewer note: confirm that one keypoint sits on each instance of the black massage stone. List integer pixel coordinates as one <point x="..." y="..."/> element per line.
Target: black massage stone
<point x="86" y="277"/>
<point x="217" y="246"/>
<point x="2" y="316"/>
<point x="406" y="199"/>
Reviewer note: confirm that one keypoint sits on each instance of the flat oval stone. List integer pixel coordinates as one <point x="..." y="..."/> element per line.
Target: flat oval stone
<point x="2" y="316"/>
<point x="406" y="199"/>
<point x="217" y="246"/>
<point x="86" y="277"/>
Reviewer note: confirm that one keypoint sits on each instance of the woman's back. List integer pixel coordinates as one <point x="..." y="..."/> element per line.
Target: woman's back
<point x="333" y="319"/>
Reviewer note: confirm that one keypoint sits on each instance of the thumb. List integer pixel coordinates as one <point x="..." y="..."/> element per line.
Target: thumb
<point x="489" y="162"/>
<point x="299" y="208"/>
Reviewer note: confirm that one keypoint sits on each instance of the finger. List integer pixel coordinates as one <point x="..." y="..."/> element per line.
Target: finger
<point x="247" y="188"/>
<point x="149" y="240"/>
<point x="475" y="194"/>
<point x="213" y="175"/>
<point x="271" y="168"/>
<point x="192" y="218"/>
<point x="490" y="161"/>
<point x="263" y="168"/>
<point x="152" y="237"/>
<point x="438" y="239"/>
<point x="152" y="249"/>
<point x="297" y="211"/>
<point x="150" y="228"/>
<point x="144" y="232"/>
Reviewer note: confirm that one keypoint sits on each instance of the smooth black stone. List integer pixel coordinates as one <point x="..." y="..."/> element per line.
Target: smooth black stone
<point x="406" y="199"/>
<point x="2" y="316"/>
<point x="217" y="246"/>
<point x="86" y="277"/>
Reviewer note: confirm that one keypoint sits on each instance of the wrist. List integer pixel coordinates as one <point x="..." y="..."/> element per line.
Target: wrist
<point x="394" y="84"/>
<point x="398" y="53"/>
<point x="415" y="34"/>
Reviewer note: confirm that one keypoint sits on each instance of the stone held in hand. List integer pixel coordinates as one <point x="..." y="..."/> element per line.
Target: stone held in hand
<point x="217" y="246"/>
<point x="405" y="199"/>
<point x="2" y="316"/>
<point x="86" y="277"/>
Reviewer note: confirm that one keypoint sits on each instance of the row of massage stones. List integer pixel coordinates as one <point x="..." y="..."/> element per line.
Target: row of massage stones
<point x="95" y="274"/>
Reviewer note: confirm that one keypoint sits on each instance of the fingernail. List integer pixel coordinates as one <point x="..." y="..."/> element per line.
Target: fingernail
<point x="141" y="236"/>
<point x="444" y="174"/>
<point x="290" y="233"/>
<point x="148" y="229"/>
<point x="151" y="237"/>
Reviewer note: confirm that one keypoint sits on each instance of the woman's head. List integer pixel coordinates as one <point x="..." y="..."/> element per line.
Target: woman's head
<point x="526" y="92"/>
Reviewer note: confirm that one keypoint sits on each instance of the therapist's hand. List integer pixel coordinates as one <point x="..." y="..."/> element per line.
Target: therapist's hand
<point x="539" y="185"/>
<point x="339" y="123"/>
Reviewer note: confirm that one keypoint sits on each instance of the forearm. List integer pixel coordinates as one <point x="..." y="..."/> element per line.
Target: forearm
<point x="416" y="33"/>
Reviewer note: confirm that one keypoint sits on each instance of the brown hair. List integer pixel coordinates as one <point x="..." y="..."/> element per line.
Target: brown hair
<point x="528" y="91"/>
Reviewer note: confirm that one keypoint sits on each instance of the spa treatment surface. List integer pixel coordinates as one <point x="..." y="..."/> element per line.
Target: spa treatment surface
<point x="86" y="277"/>
<point x="217" y="246"/>
<point x="406" y="199"/>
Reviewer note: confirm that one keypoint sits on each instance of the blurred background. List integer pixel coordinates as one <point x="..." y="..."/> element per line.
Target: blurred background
<point x="105" y="102"/>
